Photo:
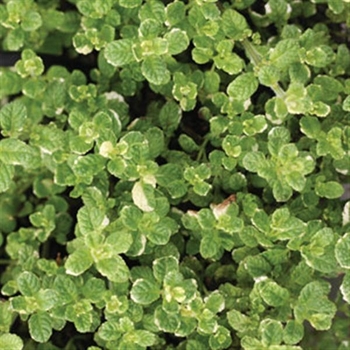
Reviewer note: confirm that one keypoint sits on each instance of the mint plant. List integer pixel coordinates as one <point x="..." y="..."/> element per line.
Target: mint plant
<point x="173" y="174"/>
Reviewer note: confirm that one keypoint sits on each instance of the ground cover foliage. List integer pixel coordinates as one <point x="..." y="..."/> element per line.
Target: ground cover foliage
<point x="171" y="175"/>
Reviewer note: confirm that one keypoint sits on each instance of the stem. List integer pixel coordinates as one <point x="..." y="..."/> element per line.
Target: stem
<point x="201" y="152"/>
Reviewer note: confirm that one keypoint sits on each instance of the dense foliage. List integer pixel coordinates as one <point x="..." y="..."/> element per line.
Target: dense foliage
<point x="171" y="175"/>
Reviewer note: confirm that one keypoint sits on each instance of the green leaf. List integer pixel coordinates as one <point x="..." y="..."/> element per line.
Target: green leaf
<point x="177" y="41"/>
<point x="330" y="189"/>
<point x="310" y="126"/>
<point x="221" y="339"/>
<point x="293" y="332"/>
<point x="11" y="341"/>
<point x="119" y="53"/>
<point x="31" y="21"/>
<point x="66" y="289"/>
<point x="91" y="219"/>
<point x="243" y="87"/>
<point x="313" y="305"/>
<point x="271" y="332"/>
<point x="16" y="152"/>
<point x="114" y="269"/>
<point x="175" y="12"/>
<point x="253" y="160"/>
<point x="144" y="292"/>
<point x="7" y="171"/>
<point x="28" y="283"/>
<point x="272" y="293"/>
<point x="234" y="25"/>
<point x="163" y="266"/>
<point x="143" y="196"/>
<point x="40" y="327"/>
<point x="165" y="321"/>
<point x="78" y="262"/>
<point x="12" y="118"/>
<point x="342" y="251"/>
<point x="155" y="70"/>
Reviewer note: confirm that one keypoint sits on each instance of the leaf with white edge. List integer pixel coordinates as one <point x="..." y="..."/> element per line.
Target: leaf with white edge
<point x="10" y="341"/>
<point x="7" y="171"/>
<point x="79" y="261"/>
<point x="345" y="287"/>
<point x="144" y="338"/>
<point x="167" y="322"/>
<point x="16" y="152"/>
<point x="154" y="69"/>
<point x="293" y="332"/>
<point x="313" y="305"/>
<point x="66" y="289"/>
<point x="330" y="189"/>
<point x="91" y="219"/>
<point x="346" y="104"/>
<point x="162" y="266"/>
<point x="40" y="327"/>
<point x="271" y="332"/>
<point x="243" y="87"/>
<point x="28" y="283"/>
<point x="253" y="160"/>
<point x="114" y="269"/>
<point x="143" y="196"/>
<point x="342" y="251"/>
<point x="12" y="118"/>
<point x="272" y="293"/>
<point x="144" y="292"/>
<point x="177" y="41"/>
<point x="119" y="53"/>
<point x="221" y="339"/>
<point x="234" y="25"/>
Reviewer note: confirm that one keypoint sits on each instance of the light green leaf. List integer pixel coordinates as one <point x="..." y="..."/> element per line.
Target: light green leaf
<point x="253" y="160"/>
<point x="91" y="219"/>
<point x="155" y="70"/>
<point x="79" y="261"/>
<point x="238" y="321"/>
<point x="271" y="332"/>
<point x="7" y="171"/>
<point x="342" y="251"/>
<point x="177" y="41"/>
<point x="293" y="332"/>
<point x="310" y="126"/>
<point x="66" y="289"/>
<point x="12" y="118"/>
<point x="272" y="293"/>
<point x="313" y="305"/>
<point x="144" y="337"/>
<point x="234" y="25"/>
<point x="243" y="87"/>
<point x="28" y="283"/>
<point x="163" y="266"/>
<point x="257" y="266"/>
<point x="16" y="152"/>
<point x="330" y="189"/>
<point x="10" y="341"/>
<point x="221" y="339"/>
<point x="114" y="269"/>
<point x="119" y="53"/>
<point x="40" y="327"/>
<point x="31" y="21"/>
<point x="175" y="12"/>
<point x="165" y="321"/>
<point x="144" y="292"/>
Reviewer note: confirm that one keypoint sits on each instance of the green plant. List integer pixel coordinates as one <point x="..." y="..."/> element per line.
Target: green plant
<point x="183" y="189"/>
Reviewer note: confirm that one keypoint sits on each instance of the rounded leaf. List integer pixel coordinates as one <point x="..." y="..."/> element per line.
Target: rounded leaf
<point x="342" y="251"/>
<point x="144" y="292"/>
<point x="155" y="70"/>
